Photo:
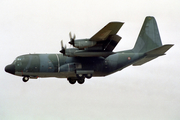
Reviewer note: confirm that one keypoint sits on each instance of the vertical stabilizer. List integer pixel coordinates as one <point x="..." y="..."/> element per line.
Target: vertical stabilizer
<point x="149" y="37"/>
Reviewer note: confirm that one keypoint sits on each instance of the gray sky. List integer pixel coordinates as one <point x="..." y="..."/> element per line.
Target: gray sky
<point x="151" y="91"/>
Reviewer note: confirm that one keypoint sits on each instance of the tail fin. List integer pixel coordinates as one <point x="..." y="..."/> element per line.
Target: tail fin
<point x="149" y="37"/>
<point x="149" y="42"/>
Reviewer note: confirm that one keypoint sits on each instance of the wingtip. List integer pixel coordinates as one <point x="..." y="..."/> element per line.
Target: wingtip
<point x="169" y="45"/>
<point x="113" y="22"/>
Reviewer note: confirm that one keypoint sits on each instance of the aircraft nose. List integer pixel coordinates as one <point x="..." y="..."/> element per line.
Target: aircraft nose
<point x="10" y="69"/>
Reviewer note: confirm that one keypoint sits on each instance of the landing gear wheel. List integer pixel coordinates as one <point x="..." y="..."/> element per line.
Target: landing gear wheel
<point x="79" y="75"/>
<point x="72" y="81"/>
<point x="88" y="76"/>
<point x="81" y="81"/>
<point x="25" y="78"/>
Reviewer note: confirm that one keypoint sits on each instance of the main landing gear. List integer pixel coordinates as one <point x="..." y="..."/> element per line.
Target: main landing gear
<point x="25" y="78"/>
<point x="73" y="80"/>
<point x="80" y="78"/>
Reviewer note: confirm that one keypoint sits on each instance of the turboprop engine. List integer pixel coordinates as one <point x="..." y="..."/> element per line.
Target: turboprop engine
<point x="83" y="43"/>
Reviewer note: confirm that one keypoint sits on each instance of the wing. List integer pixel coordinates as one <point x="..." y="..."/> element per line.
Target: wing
<point x="106" y="38"/>
<point x="101" y="44"/>
<point x="110" y="29"/>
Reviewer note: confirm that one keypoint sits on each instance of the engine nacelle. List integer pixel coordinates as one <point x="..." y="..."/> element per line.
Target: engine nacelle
<point x="84" y="43"/>
<point x="74" y="52"/>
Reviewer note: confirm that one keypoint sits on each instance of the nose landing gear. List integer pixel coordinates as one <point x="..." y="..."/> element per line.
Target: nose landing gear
<point x="25" y="78"/>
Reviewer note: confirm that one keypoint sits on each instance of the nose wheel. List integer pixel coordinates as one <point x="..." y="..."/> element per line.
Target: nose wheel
<point x="25" y="78"/>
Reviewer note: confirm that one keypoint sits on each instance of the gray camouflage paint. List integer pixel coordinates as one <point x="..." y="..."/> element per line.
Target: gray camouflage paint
<point x="147" y="47"/>
<point x="57" y="65"/>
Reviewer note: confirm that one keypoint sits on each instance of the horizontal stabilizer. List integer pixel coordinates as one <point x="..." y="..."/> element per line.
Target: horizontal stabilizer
<point x="159" y="51"/>
<point x="153" y="54"/>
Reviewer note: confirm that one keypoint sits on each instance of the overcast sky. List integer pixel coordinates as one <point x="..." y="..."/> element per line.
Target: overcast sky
<point x="147" y="92"/>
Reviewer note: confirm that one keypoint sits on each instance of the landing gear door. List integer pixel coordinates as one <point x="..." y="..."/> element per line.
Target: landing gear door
<point x="106" y="64"/>
<point x="50" y="66"/>
<point x="70" y="67"/>
<point x="78" y="66"/>
<point x="84" y="71"/>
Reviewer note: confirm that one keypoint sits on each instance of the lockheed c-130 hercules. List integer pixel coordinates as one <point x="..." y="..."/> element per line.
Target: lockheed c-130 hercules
<point x="92" y="57"/>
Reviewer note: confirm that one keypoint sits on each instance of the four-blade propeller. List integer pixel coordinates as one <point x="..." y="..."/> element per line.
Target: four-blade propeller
<point x="63" y="49"/>
<point x="72" y="39"/>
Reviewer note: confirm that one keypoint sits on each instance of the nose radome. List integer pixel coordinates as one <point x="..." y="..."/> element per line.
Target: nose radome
<point x="10" y="69"/>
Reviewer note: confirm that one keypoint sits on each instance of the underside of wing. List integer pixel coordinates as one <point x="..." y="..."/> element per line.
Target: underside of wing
<point x="101" y="44"/>
<point x="106" y="38"/>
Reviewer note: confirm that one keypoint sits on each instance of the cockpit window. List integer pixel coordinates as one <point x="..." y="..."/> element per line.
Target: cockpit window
<point x="19" y="64"/>
<point x="14" y="62"/>
<point x="18" y="59"/>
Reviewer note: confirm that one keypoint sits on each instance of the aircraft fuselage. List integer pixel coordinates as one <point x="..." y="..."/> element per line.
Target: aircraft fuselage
<point x="92" y="57"/>
<point x="57" y="65"/>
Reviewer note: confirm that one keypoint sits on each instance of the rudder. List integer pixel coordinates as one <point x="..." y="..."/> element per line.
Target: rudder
<point x="149" y="37"/>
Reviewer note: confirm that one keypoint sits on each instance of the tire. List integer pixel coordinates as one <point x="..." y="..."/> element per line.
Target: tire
<point x="79" y="75"/>
<point x="88" y="76"/>
<point x="25" y="78"/>
<point x="71" y="81"/>
<point x="81" y="81"/>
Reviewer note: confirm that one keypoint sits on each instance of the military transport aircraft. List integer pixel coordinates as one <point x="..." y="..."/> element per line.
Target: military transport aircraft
<point x="92" y="57"/>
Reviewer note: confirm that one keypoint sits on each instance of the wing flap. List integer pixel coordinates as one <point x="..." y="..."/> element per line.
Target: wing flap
<point x="111" y="44"/>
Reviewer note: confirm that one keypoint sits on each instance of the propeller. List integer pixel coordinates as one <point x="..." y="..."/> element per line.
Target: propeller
<point x="63" y="49"/>
<point x="72" y="39"/>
